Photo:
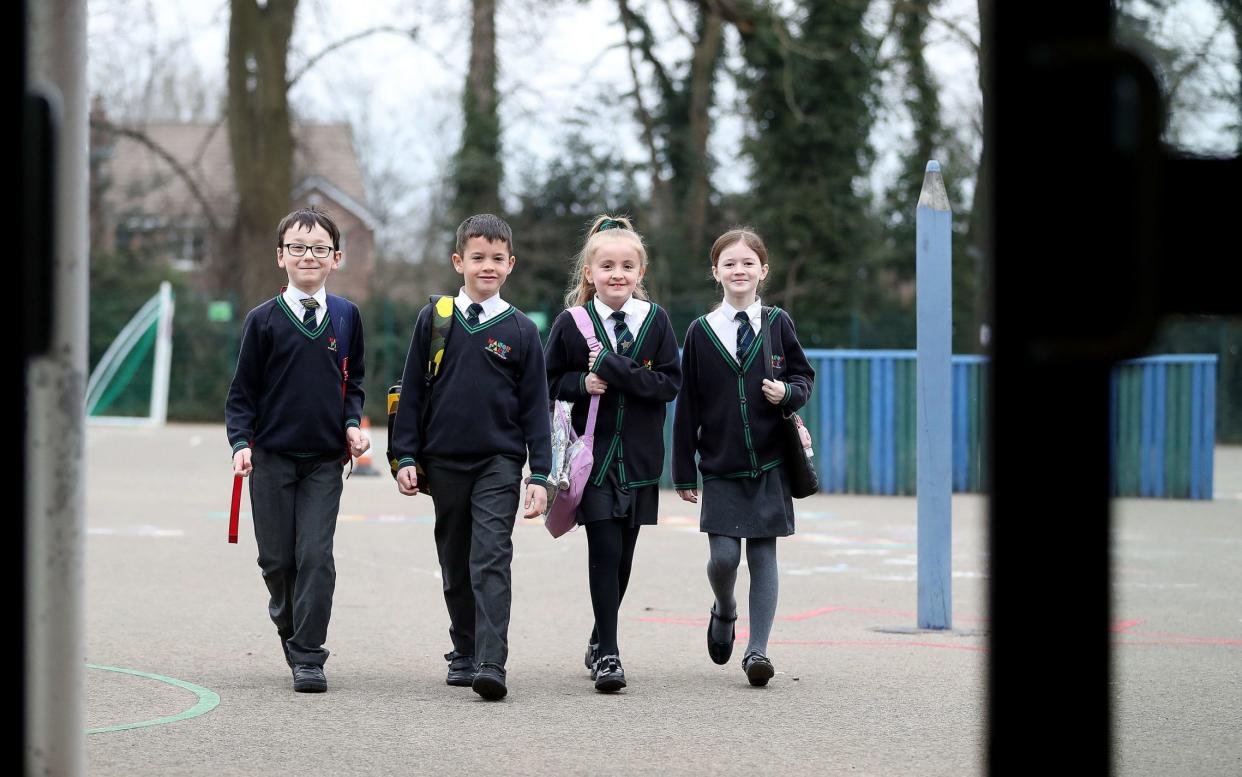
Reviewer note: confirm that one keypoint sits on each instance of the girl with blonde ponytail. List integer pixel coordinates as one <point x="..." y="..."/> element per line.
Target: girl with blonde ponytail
<point x="635" y="373"/>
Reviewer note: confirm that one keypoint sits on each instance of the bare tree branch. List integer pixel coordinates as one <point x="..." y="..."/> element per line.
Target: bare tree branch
<point x="1195" y="61"/>
<point x="411" y="33"/>
<point x="676" y="22"/>
<point x="644" y="115"/>
<point x="146" y="141"/>
<point x="632" y="21"/>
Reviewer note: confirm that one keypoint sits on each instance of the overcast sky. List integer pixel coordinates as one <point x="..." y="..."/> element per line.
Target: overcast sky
<point x="561" y="64"/>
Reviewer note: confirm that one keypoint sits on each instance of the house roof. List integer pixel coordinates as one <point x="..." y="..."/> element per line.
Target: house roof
<point x="140" y="182"/>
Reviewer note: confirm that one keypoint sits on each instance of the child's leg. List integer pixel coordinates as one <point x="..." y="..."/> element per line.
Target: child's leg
<point x="316" y="505"/>
<point x="764" y="585"/>
<point x="726" y="554"/>
<point x="273" y="484"/>
<point x="452" y="534"/>
<point x="610" y="552"/>
<point x="494" y="502"/>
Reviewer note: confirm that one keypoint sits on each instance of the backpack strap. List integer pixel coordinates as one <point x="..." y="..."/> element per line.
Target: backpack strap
<point x="342" y="320"/>
<point x="441" y="325"/>
<point x="587" y="330"/>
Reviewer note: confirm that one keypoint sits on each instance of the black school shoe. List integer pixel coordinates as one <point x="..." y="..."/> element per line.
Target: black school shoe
<point x="758" y="669"/>
<point x="720" y="651"/>
<point x="489" y="682"/>
<point x="308" y="678"/>
<point x="461" y="669"/>
<point x="592" y="655"/>
<point x="609" y="676"/>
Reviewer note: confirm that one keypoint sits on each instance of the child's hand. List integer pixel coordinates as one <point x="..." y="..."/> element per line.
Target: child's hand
<point x="536" y="501"/>
<point x="595" y="384"/>
<point x="241" y="463"/>
<point x="359" y="443"/>
<point x="773" y="390"/>
<point x="407" y="481"/>
<point x="690" y="495"/>
<point x="591" y="359"/>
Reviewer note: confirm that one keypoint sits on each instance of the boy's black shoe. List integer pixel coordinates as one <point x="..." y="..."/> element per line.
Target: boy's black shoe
<point x="720" y="651"/>
<point x="461" y="669"/>
<point x="489" y="682"/>
<point x="592" y="655"/>
<point x="308" y="678"/>
<point x="758" y="668"/>
<point x="609" y="676"/>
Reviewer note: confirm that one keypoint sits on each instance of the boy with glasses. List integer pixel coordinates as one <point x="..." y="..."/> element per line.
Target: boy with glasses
<point x="293" y="416"/>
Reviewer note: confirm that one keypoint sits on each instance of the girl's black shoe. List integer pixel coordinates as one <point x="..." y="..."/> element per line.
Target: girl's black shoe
<point x="758" y="669"/>
<point x="720" y="651"/>
<point x="609" y="676"/>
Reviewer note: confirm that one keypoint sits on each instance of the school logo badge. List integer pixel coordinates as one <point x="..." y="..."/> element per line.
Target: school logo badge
<point x="647" y="363"/>
<point x="331" y="343"/>
<point x="777" y="362"/>
<point x="498" y="348"/>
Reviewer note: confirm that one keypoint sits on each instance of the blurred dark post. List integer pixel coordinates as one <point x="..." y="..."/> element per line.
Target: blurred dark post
<point x="1085" y="204"/>
<point x="55" y="183"/>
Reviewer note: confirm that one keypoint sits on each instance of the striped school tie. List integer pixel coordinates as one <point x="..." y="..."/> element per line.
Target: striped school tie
<point x="745" y="335"/>
<point x="472" y="313"/>
<point x="308" y="318"/>
<point x="622" y="332"/>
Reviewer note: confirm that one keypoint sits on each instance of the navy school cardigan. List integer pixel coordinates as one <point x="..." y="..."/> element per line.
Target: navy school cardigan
<point x="722" y="414"/>
<point x="629" y="428"/>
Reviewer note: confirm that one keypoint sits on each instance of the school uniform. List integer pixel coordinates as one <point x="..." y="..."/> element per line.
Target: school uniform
<point x="285" y="402"/>
<point x="488" y="410"/>
<point x="628" y="450"/>
<point x="724" y="418"/>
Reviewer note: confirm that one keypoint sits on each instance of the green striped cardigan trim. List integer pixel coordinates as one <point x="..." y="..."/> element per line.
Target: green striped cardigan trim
<point x="312" y="334"/>
<point x="746" y="474"/>
<point x="484" y="324"/>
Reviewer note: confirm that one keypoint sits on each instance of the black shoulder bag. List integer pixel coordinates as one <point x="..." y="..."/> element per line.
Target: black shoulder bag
<point x="803" y="481"/>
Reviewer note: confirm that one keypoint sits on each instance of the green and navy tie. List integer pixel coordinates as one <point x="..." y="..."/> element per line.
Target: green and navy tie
<point x="308" y="318"/>
<point x="472" y="313"/>
<point x="622" y="333"/>
<point x="745" y="335"/>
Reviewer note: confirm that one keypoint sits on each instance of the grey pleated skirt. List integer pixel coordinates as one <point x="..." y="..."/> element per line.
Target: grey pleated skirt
<point x="748" y="507"/>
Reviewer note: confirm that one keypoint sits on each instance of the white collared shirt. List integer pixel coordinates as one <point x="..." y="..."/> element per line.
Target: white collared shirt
<point x="295" y="296"/>
<point x="635" y="311"/>
<point x="723" y="322"/>
<point x="491" y="306"/>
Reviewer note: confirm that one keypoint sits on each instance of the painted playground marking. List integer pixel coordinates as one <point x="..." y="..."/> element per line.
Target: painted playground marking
<point x="133" y="531"/>
<point x="1126" y="631"/>
<point x="207" y="700"/>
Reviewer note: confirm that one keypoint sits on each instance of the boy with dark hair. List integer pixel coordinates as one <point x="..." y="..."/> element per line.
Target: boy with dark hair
<point x="487" y="408"/>
<point x="293" y="415"/>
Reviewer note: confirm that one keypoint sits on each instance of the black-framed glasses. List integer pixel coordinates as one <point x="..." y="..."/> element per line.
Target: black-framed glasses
<point x="319" y="252"/>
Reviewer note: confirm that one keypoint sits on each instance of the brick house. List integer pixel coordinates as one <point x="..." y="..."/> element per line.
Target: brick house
<point x="140" y="203"/>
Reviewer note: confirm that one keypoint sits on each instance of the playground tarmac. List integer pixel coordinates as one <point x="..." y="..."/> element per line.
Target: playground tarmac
<point x="857" y="690"/>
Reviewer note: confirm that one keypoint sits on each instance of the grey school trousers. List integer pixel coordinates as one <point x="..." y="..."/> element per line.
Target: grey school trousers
<point x="476" y="506"/>
<point x="294" y="503"/>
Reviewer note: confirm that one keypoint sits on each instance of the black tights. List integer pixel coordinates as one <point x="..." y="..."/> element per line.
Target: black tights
<point x="610" y="554"/>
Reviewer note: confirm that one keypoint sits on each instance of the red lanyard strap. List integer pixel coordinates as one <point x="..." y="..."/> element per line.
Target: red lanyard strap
<point x="235" y="509"/>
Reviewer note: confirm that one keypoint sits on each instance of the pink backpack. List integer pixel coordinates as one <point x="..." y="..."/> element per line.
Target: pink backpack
<point x="575" y="469"/>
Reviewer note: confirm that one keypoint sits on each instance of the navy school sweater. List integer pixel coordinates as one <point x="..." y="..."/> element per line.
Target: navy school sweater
<point x="286" y="392"/>
<point x="629" y="427"/>
<point x="721" y="412"/>
<point x="490" y="398"/>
